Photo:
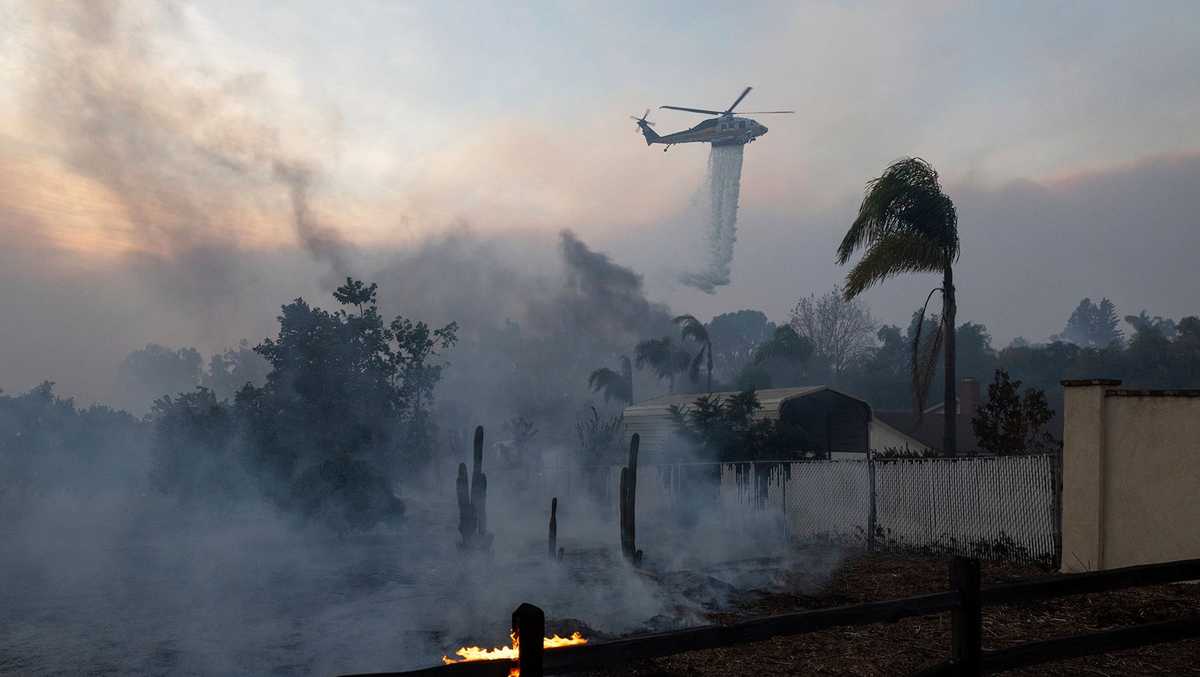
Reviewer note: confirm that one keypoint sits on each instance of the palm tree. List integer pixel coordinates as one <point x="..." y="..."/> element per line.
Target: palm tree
<point x="615" y="386"/>
<point x="907" y="224"/>
<point x="664" y="357"/>
<point x="694" y="329"/>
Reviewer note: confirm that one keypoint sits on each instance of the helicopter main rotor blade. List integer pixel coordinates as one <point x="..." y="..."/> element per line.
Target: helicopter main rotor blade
<point x="767" y="112"/>
<point x="739" y="99"/>
<point x="695" y="110"/>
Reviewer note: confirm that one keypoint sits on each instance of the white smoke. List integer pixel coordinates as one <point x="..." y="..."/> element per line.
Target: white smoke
<point x="723" y="180"/>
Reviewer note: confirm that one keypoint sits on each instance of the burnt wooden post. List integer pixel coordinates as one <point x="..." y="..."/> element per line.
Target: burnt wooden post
<point x="967" y="619"/>
<point x="529" y="627"/>
<point x="553" y="546"/>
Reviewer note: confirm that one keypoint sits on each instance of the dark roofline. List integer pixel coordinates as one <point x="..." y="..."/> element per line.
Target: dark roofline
<point x="1151" y="393"/>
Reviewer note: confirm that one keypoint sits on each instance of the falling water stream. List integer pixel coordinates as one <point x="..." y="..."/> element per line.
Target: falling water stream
<point x="723" y="181"/>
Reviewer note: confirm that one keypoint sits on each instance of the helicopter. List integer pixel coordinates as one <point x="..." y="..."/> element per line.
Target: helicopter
<point x="724" y="130"/>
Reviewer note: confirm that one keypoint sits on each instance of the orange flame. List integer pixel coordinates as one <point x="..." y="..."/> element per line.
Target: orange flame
<point x="500" y="653"/>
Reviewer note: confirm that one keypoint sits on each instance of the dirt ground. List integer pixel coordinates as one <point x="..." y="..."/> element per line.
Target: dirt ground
<point x="901" y="648"/>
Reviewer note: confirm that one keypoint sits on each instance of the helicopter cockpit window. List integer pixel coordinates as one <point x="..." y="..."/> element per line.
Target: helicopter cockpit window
<point x="741" y="124"/>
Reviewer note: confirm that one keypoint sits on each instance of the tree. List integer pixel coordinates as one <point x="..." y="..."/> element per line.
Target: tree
<point x="1143" y="322"/>
<point x="156" y="370"/>
<point x="692" y="329"/>
<point x="229" y="371"/>
<point x="840" y="329"/>
<point x="727" y="428"/>
<point x="599" y="438"/>
<point x="1149" y="352"/>
<point x="615" y="386"/>
<point x="193" y="445"/>
<point x="976" y="357"/>
<point x="734" y="338"/>
<point x="1014" y="422"/>
<point x="884" y="375"/>
<point x="415" y="372"/>
<point x="664" y="358"/>
<point x="1093" y="325"/>
<point x="342" y="412"/>
<point x="907" y="224"/>
<point x="785" y="354"/>
<point x="48" y="444"/>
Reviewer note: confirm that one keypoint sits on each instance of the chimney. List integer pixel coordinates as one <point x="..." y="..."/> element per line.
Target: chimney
<point x="968" y="397"/>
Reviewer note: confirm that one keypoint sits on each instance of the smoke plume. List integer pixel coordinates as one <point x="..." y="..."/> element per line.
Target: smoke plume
<point x="193" y="158"/>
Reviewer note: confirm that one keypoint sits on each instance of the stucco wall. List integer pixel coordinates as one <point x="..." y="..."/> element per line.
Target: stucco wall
<point x="1131" y="476"/>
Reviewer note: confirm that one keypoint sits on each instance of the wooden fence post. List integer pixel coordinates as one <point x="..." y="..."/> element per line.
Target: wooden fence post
<point x="967" y="619"/>
<point x="529" y="627"/>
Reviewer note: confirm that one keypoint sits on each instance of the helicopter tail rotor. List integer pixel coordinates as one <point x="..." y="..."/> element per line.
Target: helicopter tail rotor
<point x="642" y="120"/>
<point x="644" y="126"/>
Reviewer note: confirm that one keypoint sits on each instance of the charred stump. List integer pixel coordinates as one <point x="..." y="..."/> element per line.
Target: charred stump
<point x="466" y="512"/>
<point x="472" y="500"/>
<point x="627" y="505"/>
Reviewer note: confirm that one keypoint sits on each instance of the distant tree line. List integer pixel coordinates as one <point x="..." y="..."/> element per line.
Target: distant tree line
<point x="325" y="420"/>
<point x="875" y="362"/>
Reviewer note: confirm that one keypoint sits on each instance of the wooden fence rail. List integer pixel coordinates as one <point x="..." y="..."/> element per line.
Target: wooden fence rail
<point x="966" y="602"/>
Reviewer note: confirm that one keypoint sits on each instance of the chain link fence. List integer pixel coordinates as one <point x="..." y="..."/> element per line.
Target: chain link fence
<point x="998" y="506"/>
<point x="1003" y="507"/>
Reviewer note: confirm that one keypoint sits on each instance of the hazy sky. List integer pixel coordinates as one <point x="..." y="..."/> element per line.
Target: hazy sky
<point x="143" y="139"/>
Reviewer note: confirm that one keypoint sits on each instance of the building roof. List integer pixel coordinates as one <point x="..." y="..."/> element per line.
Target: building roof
<point x="929" y="431"/>
<point x="771" y="400"/>
<point x="652" y="421"/>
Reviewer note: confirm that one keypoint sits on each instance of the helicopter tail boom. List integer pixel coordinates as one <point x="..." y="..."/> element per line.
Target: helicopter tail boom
<point x="650" y="134"/>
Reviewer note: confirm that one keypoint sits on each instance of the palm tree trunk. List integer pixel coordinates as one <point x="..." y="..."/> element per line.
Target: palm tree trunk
<point x="950" y="434"/>
<point x="709" y="364"/>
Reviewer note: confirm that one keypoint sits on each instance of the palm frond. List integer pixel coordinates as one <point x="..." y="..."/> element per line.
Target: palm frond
<point x="898" y="252"/>
<point x="614" y="386"/>
<point x="923" y="369"/>
<point x="906" y="197"/>
<point x="691" y="328"/>
<point x="601" y="378"/>
<point x="652" y="352"/>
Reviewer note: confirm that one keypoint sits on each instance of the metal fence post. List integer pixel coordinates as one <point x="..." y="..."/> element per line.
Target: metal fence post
<point x="529" y="627"/>
<point x="967" y="619"/>
<point x="871" y="516"/>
